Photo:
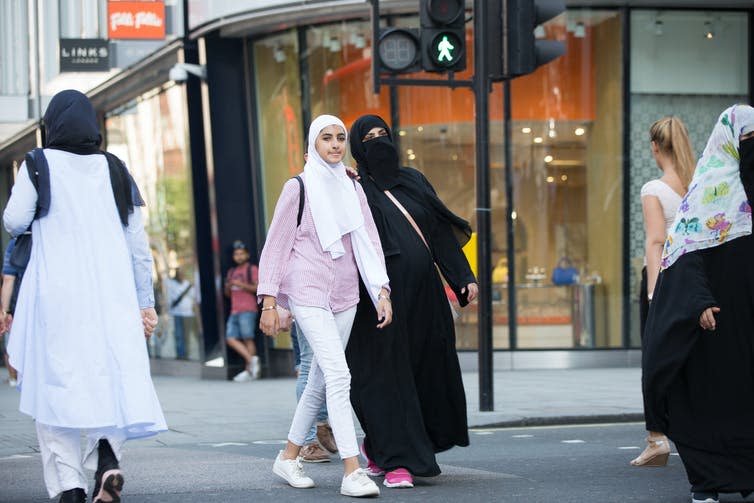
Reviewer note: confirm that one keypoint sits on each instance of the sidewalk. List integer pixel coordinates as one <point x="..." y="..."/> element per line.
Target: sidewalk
<point x="224" y="411"/>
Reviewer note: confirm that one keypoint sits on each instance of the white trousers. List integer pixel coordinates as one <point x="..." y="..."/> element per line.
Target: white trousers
<point x="62" y="463"/>
<point x="329" y="377"/>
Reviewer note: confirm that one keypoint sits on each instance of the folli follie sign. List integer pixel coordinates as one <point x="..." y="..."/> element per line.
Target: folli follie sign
<point x="135" y="20"/>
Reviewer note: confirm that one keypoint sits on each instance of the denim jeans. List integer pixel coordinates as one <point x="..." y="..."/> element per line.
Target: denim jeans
<point x="179" y="322"/>
<point x="329" y="378"/>
<point x="306" y="353"/>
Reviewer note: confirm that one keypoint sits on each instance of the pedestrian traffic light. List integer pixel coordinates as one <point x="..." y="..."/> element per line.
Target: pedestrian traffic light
<point x="398" y="50"/>
<point x="443" y="35"/>
<point x="515" y="50"/>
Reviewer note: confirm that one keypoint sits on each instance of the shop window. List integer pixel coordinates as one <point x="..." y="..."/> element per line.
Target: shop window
<point x="151" y="136"/>
<point x="690" y="64"/>
<point x="278" y="97"/>
<point x="340" y="73"/>
<point x="567" y="166"/>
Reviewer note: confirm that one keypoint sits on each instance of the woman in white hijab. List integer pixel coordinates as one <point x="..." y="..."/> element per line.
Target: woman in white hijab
<point x="321" y="242"/>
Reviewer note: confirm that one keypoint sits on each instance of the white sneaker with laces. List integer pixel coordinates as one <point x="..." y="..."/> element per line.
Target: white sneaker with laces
<point x="359" y="485"/>
<point x="292" y="471"/>
<point x="243" y="376"/>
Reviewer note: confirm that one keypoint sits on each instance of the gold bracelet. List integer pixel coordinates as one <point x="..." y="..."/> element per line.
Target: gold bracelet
<point x="269" y="308"/>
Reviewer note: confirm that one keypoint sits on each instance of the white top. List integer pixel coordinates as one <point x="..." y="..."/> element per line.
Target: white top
<point x="669" y="199"/>
<point x="77" y="339"/>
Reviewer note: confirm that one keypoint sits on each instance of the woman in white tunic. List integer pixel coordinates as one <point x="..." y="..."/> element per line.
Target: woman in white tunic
<point x="85" y="303"/>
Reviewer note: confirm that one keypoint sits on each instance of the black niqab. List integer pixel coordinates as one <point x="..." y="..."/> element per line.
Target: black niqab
<point x="412" y="181"/>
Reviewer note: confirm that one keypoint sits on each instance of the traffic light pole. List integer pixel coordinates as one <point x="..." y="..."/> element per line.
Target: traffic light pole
<point x="482" y="86"/>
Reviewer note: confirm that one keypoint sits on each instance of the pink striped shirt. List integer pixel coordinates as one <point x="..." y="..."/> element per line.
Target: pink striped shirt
<point x="294" y="265"/>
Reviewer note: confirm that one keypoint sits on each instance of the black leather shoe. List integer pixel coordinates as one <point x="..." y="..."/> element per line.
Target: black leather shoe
<point x="73" y="496"/>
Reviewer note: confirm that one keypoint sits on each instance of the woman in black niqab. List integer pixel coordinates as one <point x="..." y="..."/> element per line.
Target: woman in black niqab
<point x="406" y="384"/>
<point x="698" y="357"/>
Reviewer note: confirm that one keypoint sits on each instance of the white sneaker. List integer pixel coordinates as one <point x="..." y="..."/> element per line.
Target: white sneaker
<point x="292" y="471"/>
<point x="12" y="383"/>
<point x="359" y="485"/>
<point x="256" y="368"/>
<point x="243" y="376"/>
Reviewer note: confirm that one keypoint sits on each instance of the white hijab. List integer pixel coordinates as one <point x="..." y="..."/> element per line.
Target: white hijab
<point x="336" y="210"/>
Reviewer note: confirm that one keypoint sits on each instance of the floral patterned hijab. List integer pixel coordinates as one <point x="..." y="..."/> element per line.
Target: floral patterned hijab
<point x="715" y="210"/>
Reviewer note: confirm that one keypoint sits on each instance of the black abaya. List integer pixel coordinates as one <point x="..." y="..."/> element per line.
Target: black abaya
<point x="406" y="384"/>
<point x="699" y="384"/>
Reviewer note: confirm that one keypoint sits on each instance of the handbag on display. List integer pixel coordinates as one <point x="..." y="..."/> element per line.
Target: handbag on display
<point x="564" y="273"/>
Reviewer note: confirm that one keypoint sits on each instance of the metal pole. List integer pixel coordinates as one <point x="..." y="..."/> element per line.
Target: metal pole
<point x="511" y="245"/>
<point x="481" y="88"/>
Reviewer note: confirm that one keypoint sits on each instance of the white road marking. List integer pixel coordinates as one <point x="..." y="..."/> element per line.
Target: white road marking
<point x="522" y="436"/>
<point x="630" y="448"/>
<point x="572" y="442"/>
<point x="269" y="442"/>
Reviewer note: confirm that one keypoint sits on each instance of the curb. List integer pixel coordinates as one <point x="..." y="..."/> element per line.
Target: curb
<point x="633" y="417"/>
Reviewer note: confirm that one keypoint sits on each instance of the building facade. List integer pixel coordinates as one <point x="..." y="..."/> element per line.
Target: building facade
<point x="211" y="149"/>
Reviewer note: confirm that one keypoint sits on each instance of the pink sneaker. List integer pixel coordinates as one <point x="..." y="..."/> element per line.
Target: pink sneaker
<point x="400" y="477"/>
<point x="371" y="469"/>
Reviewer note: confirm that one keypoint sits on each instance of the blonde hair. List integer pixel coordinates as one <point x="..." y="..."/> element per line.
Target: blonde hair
<point x="672" y="139"/>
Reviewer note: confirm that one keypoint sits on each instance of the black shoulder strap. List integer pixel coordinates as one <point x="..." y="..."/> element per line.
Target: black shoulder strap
<point x="300" y="200"/>
<point x="39" y="174"/>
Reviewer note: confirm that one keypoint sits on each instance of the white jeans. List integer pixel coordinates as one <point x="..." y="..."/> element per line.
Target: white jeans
<point x="329" y="377"/>
<point x="62" y="463"/>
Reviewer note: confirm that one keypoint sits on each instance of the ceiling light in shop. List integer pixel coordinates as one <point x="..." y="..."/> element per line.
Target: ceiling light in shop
<point x="580" y="31"/>
<point x="538" y="139"/>
<point x="552" y="133"/>
<point x="548" y="158"/>
<point x="454" y="157"/>
<point x="709" y="33"/>
<point x="401" y="133"/>
<point x="550" y="179"/>
<point x="526" y="130"/>
<point x="420" y="128"/>
<point x="659" y="25"/>
<point x="514" y="215"/>
<point x="579" y="131"/>
<point x="409" y="151"/>
<point x="411" y="157"/>
<point x="564" y="177"/>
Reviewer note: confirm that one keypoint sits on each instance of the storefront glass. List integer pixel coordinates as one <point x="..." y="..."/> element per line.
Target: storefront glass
<point x="340" y="76"/>
<point x="151" y="135"/>
<point x="691" y="64"/>
<point x="568" y="150"/>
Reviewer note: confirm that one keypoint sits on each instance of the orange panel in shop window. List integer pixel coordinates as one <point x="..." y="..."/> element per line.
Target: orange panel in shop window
<point x="561" y="90"/>
<point x="135" y="20"/>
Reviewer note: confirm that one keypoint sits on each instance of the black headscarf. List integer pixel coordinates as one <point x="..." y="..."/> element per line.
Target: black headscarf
<point x="378" y="164"/>
<point x="70" y="124"/>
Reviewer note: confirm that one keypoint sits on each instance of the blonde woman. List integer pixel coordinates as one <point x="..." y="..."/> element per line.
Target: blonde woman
<point x="660" y="199"/>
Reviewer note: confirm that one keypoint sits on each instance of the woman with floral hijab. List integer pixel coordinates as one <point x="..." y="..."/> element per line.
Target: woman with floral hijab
<point x="698" y="358"/>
